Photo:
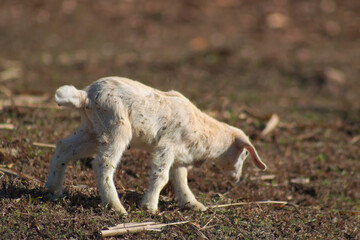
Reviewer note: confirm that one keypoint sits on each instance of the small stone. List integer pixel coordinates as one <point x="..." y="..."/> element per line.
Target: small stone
<point x="277" y="20"/>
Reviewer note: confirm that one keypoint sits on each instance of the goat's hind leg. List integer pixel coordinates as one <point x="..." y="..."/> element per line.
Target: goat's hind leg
<point x="80" y="145"/>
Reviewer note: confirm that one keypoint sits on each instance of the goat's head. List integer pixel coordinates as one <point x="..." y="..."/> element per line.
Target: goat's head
<point x="232" y="160"/>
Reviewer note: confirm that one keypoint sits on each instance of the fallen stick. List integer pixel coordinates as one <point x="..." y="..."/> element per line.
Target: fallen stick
<point x="7" y="126"/>
<point x="14" y="103"/>
<point x="352" y="212"/>
<point x="197" y="230"/>
<point x="9" y="172"/>
<point x="136" y="227"/>
<point x="128" y="225"/>
<point x="208" y="222"/>
<point x="308" y="135"/>
<point x="300" y="180"/>
<point x="6" y="91"/>
<point x="248" y="203"/>
<point x="265" y="177"/>
<point x="18" y="174"/>
<point x="264" y="117"/>
<point x="48" y="145"/>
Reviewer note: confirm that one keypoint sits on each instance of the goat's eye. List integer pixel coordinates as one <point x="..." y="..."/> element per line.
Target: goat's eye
<point x="245" y="153"/>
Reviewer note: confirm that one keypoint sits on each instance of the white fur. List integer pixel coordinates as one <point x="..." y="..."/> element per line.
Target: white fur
<point x="116" y="112"/>
<point x="69" y="96"/>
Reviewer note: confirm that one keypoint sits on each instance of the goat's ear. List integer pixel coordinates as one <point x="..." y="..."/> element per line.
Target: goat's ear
<point x="251" y="149"/>
<point x="254" y="155"/>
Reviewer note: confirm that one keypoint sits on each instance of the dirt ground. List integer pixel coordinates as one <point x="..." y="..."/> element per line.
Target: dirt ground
<point x="240" y="61"/>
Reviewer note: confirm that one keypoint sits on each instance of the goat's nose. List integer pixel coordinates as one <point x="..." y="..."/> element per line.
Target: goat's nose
<point x="239" y="181"/>
<point x="234" y="178"/>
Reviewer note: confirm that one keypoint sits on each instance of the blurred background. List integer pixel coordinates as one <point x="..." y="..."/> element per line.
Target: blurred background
<point x="289" y="66"/>
<point x="224" y="54"/>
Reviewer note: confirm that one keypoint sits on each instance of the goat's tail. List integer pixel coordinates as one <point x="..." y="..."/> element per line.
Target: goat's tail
<point x="69" y="96"/>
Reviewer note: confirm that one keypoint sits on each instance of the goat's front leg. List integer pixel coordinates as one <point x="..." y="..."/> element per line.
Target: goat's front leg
<point x="105" y="165"/>
<point x="159" y="176"/>
<point x="81" y="144"/>
<point x="184" y="195"/>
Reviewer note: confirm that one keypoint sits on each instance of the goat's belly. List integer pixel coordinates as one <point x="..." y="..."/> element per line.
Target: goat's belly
<point x="138" y="143"/>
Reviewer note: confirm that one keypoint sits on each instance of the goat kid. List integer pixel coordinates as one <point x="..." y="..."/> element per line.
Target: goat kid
<point x="116" y="112"/>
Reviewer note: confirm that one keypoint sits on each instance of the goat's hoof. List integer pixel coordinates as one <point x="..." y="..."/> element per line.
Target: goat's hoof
<point x="54" y="192"/>
<point x="117" y="208"/>
<point x="201" y="208"/>
<point x="54" y="197"/>
<point x="197" y="206"/>
<point x="152" y="211"/>
<point x="149" y="208"/>
<point x="122" y="211"/>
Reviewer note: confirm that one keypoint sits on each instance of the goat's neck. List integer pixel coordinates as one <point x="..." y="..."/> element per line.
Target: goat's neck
<point x="219" y="136"/>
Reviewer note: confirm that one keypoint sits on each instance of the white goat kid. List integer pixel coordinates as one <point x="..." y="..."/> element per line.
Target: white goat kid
<point x="116" y="112"/>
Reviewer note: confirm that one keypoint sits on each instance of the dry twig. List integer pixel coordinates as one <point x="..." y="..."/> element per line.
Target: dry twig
<point x="265" y="177"/>
<point x="8" y="93"/>
<point x="136" y="227"/>
<point x="308" y="135"/>
<point x="18" y="174"/>
<point x="249" y="203"/>
<point x="47" y="145"/>
<point x="7" y="126"/>
<point x="265" y="117"/>
<point x="300" y="180"/>
<point x="197" y="228"/>
<point x="273" y="121"/>
<point x="26" y="101"/>
<point x="351" y="212"/>
<point x="208" y="222"/>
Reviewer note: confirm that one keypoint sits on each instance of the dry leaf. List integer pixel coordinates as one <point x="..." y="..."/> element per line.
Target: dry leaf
<point x="271" y="124"/>
<point x="355" y="139"/>
<point x="277" y="20"/>
<point x="12" y="152"/>
<point x="198" y="44"/>
<point x="335" y="75"/>
<point x="300" y="180"/>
